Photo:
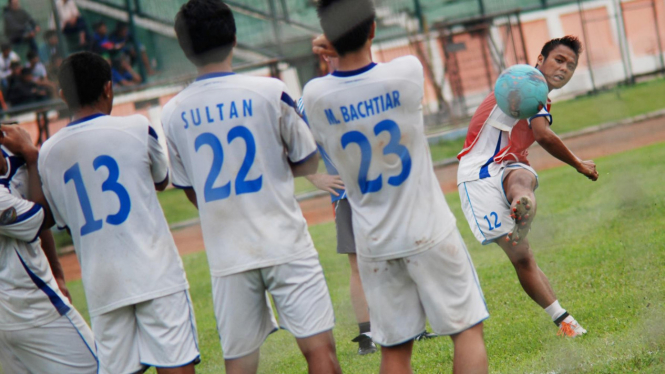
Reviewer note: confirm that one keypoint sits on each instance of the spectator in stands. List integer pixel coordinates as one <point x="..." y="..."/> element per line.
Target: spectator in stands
<point x="24" y="90"/>
<point x="101" y="42"/>
<point x="131" y="46"/>
<point x="52" y="70"/>
<point x="6" y="58"/>
<point x="123" y="74"/>
<point x="52" y="46"/>
<point x="39" y="74"/>
<point x="71" y="21"/>
<point x="19" y="25"/>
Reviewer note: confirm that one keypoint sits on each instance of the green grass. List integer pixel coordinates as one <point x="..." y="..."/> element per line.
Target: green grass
<point x="601" y="244"/>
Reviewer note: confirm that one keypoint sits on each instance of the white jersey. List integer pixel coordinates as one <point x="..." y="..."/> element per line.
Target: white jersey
<point x="231" y="138"/>
<point x="370" y="123"/>
<point x="98" y="175"/>
<point x="29" y="295"/>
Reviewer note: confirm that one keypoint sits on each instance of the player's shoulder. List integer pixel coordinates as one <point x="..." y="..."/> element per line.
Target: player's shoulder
<point x="316" y="87"/>
<point x="405" y="65"/>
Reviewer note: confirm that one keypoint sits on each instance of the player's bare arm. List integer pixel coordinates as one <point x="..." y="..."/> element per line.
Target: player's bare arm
<point x="18" y="141"/>
<point x="551" y="142"/>
<point x="48" y="246"/>
<point x="191" y="196"/>
<point x="321" y="46"/>
<point x="306" y="167"/>
<point x="326" y="182"/>
<point x="162" y="185"/>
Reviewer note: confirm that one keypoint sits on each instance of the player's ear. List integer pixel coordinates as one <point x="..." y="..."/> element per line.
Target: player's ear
<point x="372" y="31"/>
<point x="541" y="60"/>
<point x="62" y="96"/>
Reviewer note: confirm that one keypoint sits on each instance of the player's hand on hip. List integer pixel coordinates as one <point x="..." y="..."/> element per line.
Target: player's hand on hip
<point x="321" y="46"/>
<point x="18" y="141"/>
<point x="588" y="168"/>
<point x="326" y="182"/>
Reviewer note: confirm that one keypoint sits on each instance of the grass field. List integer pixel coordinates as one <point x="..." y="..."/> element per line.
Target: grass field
<point x="602" y="245"/>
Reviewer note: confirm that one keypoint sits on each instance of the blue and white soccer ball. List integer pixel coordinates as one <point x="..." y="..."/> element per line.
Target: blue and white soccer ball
<point x="521" y="91"/>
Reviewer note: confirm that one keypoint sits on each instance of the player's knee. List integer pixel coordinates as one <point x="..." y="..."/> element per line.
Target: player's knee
<point x="523" y="261"/>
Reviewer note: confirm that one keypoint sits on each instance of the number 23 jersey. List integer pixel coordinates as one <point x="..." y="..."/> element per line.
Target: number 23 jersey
<point x="99" y="176"/>
<point x="370" y="123"/>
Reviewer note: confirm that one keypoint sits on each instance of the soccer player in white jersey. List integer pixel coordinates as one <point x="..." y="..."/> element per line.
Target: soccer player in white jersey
<point x="235" y="144"/>
<point x="99" y="175"/>
<point x="496" y="183"/>
<point x="40" y="331"/>
<point x="412" y="261"/>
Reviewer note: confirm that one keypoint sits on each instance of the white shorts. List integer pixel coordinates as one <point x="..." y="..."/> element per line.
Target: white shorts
<point x="439" y="284"/>
<point x="64" y="346"/>
<point x="486" y="206"/>
<point x="245" y="317"/>
<point x="160" y="332"/>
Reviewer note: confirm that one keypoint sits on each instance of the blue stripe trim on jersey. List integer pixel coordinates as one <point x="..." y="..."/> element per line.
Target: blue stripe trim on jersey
<point x="152" y="133"/>
<point x="13" y="164"/>
<point x="474" y="213"/>
<point x="57" y="302"/>
<point x="182" y="187"/>
<point x="289" y="101"/>
<point x="165" y="179"/>
<point x="351" y="73"/>
<point x="84" y="341"/>
<point x="218" y="74"/>
<point x="484" y="171"/>
<point x="27" y="215"/>
<point x="304" y="159"/>
<point x="85" y="119"/>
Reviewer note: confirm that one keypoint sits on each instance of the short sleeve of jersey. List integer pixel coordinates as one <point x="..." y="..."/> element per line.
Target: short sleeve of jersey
<point x="295" y="133"/>
<point x="179" y="177"/>
<point x="543" y="113"/>
<point x="159" y="164"/>
<point x="20" y="219"/>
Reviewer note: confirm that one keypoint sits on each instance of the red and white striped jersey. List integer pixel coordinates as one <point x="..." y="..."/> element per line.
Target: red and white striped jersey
<point x="494" y="139"/>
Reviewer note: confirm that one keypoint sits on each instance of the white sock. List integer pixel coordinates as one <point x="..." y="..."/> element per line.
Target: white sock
<point x="555" y="310"/>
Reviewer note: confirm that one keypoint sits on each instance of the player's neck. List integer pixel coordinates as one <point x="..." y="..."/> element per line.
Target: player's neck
<point x="218" y="67"/>
<point x="355" y="60"/>
<point x="87" y="112"/>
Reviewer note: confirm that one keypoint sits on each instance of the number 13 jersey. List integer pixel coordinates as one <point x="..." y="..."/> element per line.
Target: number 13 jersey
<point x="370" y="123"/>
<point x="231" y="138"/>
<point x="99" y="176"/>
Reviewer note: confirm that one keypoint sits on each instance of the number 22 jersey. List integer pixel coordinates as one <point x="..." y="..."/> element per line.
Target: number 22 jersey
<point x="370" y="123"/>
<point x="99" y="176"/>
<point x="231" y="138"/>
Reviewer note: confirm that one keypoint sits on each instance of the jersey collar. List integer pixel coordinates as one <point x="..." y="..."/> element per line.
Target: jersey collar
<point x="214" y="75"/>
<point x="351" y="73"/>
<point x="86" y="119"/>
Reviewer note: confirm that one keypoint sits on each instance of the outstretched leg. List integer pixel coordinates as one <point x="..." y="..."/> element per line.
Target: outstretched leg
<point x="519" y="186"/>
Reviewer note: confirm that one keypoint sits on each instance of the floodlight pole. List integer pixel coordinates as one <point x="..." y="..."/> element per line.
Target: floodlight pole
<point x="419" y="14"/>
<point x="586" y="45"/>
<point x="61" y="41"/>
<point x="623" y="43"/>
<point x="658" y="40"/>
<point x="276" y="27"/>
<point x="132" y="29"/>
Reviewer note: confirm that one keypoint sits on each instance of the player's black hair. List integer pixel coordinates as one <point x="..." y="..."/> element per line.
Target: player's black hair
<point x="206" y="31"/>
<point x="569" y="41"/>
<point x="346" y="23"/>
<point x="82" y="78"/>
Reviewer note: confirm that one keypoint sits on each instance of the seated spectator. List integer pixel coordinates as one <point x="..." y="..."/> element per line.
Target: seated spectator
<point x="14" y="74"/>
<point x="131" y="47"/>
<point x="39" y="74"/>
<point x="71" y="21"/>
<point x="52" y="46"/>
<point x="24" y="91"/>
<point x="6" y="58"/>
<point x="123" y="74"/>
<point x="19" y="25"/>
<point x="101" y="43"/>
